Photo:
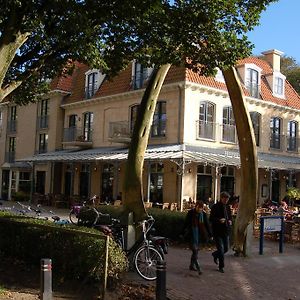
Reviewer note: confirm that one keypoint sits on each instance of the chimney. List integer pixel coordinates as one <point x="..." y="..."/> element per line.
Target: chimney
<point x="273" y="58"/>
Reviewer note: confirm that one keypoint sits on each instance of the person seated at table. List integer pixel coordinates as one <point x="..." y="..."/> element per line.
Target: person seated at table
<point x="284" y="210"/>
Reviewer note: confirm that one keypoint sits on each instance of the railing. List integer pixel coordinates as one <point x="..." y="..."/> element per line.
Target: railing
<point x="119" y="130"/>
<point x="228" y="133"/>
<point x="158" y="128"/>
<point x="42" y="149"/>
<point x="77" y="134"/>
<point x="90" y="91"/>
<point x="292" y="143"/>
<point x="253" y="89"/>
<point x="12" y="126"/>
<point x="10" y="156"/>
<point x="205" y="130"/>
<point x="276" y="141"/>
<point x="42" y="122"/>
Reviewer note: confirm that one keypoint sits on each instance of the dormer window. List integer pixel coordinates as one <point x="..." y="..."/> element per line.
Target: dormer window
<point x="93" y="80"/>
<point x="278" y="84"/>
<point x="140" y="75"/>
<point x="252" y="82"/>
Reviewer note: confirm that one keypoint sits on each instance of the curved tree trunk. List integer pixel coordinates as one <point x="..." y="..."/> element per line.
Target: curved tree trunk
<point x="248" y="155"/>
<point x="133" y="184"/>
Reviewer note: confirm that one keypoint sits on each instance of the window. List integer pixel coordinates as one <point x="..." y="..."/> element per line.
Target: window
<point x="256" y="119"/>
<point x="158" y="128"/>
<point x="206" y="126"/>
<point x="43" y="118"/>
<point x="88" y="118"/>
<point x="72" y="120"/>
<point x="141" y="74"/>
<point x="91" y="85"/>
<point x="275" y="131"/>
<point x="228" y="128"/>
<point x="107" y="183"/>
<point x="84" y="181"/>
<point x="43" y="142"/>
<point x="278" y="86"/>
<point x="10" y="156"/>
<point x="204" y="182"/>
<point x="156" y="182"/>
<point x="252" y="80"/>
<point x="12" y="122"/>
<point x="292" y="132"/>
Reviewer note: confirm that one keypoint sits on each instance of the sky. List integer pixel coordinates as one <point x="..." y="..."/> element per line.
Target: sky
<point x="278" y="29"/>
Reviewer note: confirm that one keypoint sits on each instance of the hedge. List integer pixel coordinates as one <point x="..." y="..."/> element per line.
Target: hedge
<point x="167" y="223"/>
<point x="74" y="254"/>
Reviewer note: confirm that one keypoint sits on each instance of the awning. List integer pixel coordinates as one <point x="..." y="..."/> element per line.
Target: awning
<point x="210" y="156"/>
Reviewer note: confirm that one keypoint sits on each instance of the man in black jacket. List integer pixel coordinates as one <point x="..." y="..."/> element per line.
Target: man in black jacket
<point x="221" y="220"/>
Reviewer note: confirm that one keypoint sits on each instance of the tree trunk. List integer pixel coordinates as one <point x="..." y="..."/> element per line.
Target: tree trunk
<point x="133" y="198"/>
<point x="248" y="155"/>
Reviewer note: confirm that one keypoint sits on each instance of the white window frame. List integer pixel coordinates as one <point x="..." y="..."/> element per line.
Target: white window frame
<point x="276" y="93"/>
<point x="99" y="79"/>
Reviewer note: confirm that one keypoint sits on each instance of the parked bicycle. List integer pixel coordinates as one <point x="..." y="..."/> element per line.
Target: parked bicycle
<point x="75" y="210"/>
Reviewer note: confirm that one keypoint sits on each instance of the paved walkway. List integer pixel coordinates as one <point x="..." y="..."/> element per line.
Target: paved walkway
<point x="268" y="276"/>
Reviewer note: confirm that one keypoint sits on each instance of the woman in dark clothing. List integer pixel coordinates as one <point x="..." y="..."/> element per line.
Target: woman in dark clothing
<point x="196" y="229"/>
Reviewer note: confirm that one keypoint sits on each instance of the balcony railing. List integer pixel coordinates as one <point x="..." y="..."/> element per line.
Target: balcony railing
<point x="205" y="130"/>
<point x="77" y="134"/>
<point x="228" y="133"/>
<point x="10" y="156"/>
<point x="90" y="91"/>
<point x="12" y="126"/>
<point x="119" y="131"/>
<point x="253" y="89"/>
<point x="276" y="141"/>
<point x="42" y="122"/>
<point x="292" y="143"/>
<point x="158" y="128"/>
<point x="42" y="149"/>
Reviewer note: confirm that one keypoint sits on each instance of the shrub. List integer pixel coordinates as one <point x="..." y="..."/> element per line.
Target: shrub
<point x="74" y="255"/>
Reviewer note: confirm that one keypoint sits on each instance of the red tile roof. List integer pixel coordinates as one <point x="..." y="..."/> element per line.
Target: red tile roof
<point x="123" y="83"/>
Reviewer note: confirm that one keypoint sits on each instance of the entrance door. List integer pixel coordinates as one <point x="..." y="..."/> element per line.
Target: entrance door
<point x="5" y="184"/>
<point x="204" y="184"/>
<point x="68" y="183"/>
<point x="107" y="183"/>
<point x="227" y="180"/>
<point x="40" y="182"/>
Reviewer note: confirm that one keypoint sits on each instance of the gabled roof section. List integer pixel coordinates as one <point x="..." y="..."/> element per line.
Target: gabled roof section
<point x="292" y="99"/>
<point x="65" y="82"/>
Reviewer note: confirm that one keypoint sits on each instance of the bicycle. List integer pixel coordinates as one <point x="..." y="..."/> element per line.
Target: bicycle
<point x="75" y="210"/>
<point x="145" y="252"/>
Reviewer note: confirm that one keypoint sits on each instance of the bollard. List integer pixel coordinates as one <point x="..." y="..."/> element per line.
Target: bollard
<point x="161" y="292"/>
<point x="46" y="279"/>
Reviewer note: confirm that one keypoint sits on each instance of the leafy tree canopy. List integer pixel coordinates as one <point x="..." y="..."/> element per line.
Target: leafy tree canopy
<point x="291" y="69"/>
<point x="38" y="38"/>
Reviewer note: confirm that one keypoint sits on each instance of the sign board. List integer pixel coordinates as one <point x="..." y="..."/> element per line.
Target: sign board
<point x="272" y="224"/>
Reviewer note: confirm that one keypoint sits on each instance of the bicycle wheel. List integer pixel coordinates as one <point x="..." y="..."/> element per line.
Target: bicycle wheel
<point x="145" y="262"/>
<point x="73" y="217"/>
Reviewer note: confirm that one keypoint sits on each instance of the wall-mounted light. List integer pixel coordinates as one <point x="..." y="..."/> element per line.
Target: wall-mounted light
<point x="76" y="169"/>
<point x="119" y="169"/>
<point x="95" y="169"/>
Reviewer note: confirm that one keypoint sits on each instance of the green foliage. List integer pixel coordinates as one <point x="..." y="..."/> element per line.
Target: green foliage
<point x="107" y="34"/>
<point x="20" y="196"/>
<point x="74" y="255"/>
<point x="291" y="69"/>
<point x="293" y="193"/>
<point x="168" y="223"/>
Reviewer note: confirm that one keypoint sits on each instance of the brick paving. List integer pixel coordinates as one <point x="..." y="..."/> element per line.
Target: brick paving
<point x="268" y="276"/>
<point x="271" y="276"/>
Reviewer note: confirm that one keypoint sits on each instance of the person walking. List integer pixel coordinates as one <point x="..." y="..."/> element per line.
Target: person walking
<point x="196" y="229"/>
<point x="221" y="220"/>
